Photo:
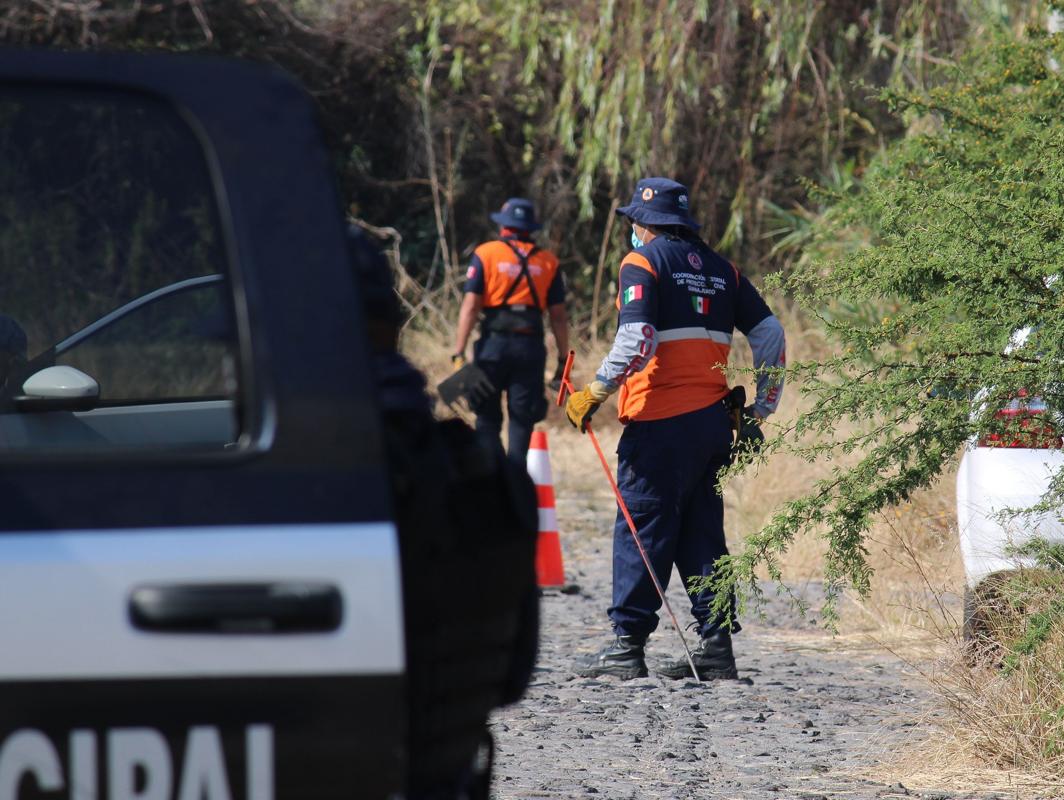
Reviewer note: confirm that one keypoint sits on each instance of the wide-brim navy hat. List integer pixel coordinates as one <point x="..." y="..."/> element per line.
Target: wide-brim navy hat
<point x="517" y="212"/>
<point x="659" y="201"/>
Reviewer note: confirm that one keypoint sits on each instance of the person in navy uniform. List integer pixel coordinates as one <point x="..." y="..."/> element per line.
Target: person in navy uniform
<point x="510" y="283"/>
<point x="438" y="475"/>
<point x="679" y="303"/>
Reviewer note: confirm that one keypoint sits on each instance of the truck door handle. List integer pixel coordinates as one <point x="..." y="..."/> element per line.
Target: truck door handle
<point x="234" y="608"/>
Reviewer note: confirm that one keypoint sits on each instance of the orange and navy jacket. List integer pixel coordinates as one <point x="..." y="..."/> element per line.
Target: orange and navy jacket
<point x="679" y="303"/>
<point x="495" y="267"/>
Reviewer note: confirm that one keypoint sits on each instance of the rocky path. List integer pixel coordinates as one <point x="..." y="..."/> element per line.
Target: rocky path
<point x="803" y="725"/>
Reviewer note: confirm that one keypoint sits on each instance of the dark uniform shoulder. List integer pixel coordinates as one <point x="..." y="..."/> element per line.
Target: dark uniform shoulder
<point x="719" y="264"/>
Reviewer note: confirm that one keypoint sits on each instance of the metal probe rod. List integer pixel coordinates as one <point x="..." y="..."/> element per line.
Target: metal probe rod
<point x="567" y="386"/>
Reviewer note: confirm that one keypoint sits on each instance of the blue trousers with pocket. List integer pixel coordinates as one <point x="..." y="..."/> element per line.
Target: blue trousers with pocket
<point x="667" y="473"/>
<point x="514" y="363"/>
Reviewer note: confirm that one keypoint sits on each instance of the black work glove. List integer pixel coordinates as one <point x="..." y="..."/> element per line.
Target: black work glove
<point x="556" y="382"/>
<point x="749" y="438"/>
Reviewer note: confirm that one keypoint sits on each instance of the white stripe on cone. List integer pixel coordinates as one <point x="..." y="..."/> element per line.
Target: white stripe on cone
<point x="549" y="569"/>
<point x="539" y="468"/>
<point x="548" y="520"/>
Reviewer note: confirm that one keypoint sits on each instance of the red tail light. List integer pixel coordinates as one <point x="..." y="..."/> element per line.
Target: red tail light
<point x="1028" y="426"/>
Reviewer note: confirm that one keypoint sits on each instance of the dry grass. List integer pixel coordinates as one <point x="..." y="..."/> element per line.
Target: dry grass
<point x="1009" y="720"/>
<point x="993" y="730"/>
<point x="1006" y="691"/>
<point x="930" y="764"/>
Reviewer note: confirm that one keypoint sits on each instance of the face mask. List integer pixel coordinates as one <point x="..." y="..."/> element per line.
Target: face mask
<point x="636" y="241"/>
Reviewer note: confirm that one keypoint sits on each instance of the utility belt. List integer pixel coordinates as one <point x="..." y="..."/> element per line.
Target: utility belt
<point x="517" y="320"/>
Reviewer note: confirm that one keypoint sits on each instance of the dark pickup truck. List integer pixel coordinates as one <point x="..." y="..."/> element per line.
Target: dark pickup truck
<point x="219" y="577"/>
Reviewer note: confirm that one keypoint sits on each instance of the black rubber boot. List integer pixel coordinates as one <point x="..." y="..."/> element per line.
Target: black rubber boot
<point x="713" y="658"/>
<point x="623" y="659"/>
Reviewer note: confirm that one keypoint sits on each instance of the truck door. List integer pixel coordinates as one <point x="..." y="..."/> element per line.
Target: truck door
<point x="199" y="580"/>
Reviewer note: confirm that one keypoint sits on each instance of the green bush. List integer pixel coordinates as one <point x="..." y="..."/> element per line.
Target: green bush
<point x="956" y="234"/>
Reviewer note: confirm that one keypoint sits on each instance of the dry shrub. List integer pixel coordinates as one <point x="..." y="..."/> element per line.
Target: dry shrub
<point x="929" y="765"/>
<point x="1006" y="690"/>
<point x="1010" y="718"/>
<point x="1000" y="725"/>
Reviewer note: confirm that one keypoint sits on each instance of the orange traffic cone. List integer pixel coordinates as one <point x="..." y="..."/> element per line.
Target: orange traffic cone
<point x="549" y="570"/>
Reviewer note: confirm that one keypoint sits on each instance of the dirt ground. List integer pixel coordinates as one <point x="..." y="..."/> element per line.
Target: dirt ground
<point x="811" y="719"/>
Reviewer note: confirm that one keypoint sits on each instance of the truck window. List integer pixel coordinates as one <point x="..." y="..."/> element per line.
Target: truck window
<point x="112" y="264"/>
<point x="171" y="347"/>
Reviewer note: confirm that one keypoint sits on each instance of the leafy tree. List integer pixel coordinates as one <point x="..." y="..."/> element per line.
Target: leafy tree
<point x="435" y="110"/>
<point x="574" y="102"/>
<point x="956" y="236"/>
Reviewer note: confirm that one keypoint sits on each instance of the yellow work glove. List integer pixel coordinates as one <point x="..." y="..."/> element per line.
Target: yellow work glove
<point x="457" y="361"/>
<point x="582" y="405"/>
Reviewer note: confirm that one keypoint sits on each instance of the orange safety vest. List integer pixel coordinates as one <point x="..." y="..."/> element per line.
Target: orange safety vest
<point x="505" y="283"/>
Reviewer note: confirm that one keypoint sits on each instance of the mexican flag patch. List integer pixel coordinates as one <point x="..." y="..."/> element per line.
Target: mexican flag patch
<point x="633" y="293"/>
<point x="701" y="304"/>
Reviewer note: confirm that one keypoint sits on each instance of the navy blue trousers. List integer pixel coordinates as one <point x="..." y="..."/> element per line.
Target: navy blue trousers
<point x="515" y="364"/>
<point x="667" y="473"/>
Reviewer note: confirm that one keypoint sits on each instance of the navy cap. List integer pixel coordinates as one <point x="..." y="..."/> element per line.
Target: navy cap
<point x="659" y="201"/>
<point x="517" y="212"/>
<point x="12" y="337"/>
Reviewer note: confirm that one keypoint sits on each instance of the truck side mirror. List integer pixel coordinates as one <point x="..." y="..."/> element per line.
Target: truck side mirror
<point x="58" y="389"/>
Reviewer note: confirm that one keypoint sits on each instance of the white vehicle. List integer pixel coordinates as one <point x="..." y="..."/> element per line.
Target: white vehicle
<point x="999" y="475"/>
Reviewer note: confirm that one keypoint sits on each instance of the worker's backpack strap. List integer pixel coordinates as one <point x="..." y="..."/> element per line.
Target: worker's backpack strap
<point x="524" y="273"/>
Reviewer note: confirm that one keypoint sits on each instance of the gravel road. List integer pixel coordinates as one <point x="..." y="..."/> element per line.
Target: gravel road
<point x="804" y="724"/>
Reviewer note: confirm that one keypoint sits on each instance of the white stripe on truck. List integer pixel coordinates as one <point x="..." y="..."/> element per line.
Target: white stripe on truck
<point x="64" y="601"/>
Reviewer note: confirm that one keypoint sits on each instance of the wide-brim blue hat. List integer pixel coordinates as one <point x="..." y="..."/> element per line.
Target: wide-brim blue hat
<point x="517" y="212"/>
<point x="659" y="201"/>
